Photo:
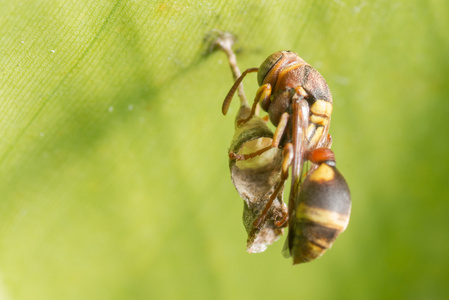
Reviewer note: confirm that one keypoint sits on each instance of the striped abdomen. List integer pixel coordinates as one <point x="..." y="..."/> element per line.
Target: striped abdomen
<point x="323" y="207"/>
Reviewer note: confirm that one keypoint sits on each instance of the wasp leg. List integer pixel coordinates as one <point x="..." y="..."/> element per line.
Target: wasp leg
<point x="286" y="162"/>
<point x="328" y="142"/>
<point x="288" y="155"/>
<point x="276" y="140"/>
<point x="282" y="222"/>
<point x="262" y="95"/>
<point x="228" y="99"/>
<point x="299" y="90"/>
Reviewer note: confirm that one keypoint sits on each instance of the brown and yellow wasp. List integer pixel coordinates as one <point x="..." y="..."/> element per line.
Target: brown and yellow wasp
<point x="299" y="104"/>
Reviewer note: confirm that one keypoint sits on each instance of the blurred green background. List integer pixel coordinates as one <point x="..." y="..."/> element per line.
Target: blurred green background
<point x="114" y="179"/>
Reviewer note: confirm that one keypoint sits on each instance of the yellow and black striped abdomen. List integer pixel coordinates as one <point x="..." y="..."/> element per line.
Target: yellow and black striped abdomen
<point x="323" y="207"/>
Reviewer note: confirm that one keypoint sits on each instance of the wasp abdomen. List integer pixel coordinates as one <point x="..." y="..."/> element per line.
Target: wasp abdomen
<point x="306" y="246"/>
<point x="322" y="213"/>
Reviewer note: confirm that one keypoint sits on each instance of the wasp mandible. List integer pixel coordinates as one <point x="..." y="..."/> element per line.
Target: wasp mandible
<point x="299" y="103"/>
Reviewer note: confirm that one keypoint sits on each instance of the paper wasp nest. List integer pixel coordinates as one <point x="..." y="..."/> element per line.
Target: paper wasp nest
<point x="255" y="180"/>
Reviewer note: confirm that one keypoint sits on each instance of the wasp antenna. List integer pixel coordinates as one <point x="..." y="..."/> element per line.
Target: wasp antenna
<point x="228" y="99"/>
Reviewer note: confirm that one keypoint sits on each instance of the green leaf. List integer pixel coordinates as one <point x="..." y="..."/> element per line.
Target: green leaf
<point x="114" y="177"/>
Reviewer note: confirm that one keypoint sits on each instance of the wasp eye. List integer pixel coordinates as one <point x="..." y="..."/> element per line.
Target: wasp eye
<point x="267" y="65"/>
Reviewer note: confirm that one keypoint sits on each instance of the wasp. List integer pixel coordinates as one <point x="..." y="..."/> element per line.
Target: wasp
<point x="299" y="103"/>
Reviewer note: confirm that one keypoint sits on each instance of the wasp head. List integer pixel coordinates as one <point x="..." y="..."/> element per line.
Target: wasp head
<point x="269" y="69"/>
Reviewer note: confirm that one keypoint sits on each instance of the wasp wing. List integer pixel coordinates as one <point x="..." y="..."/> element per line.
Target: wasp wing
<point x="300" y="122"/>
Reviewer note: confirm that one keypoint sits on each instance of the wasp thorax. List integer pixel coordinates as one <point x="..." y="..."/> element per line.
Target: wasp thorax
<point x="279" y="104"/>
